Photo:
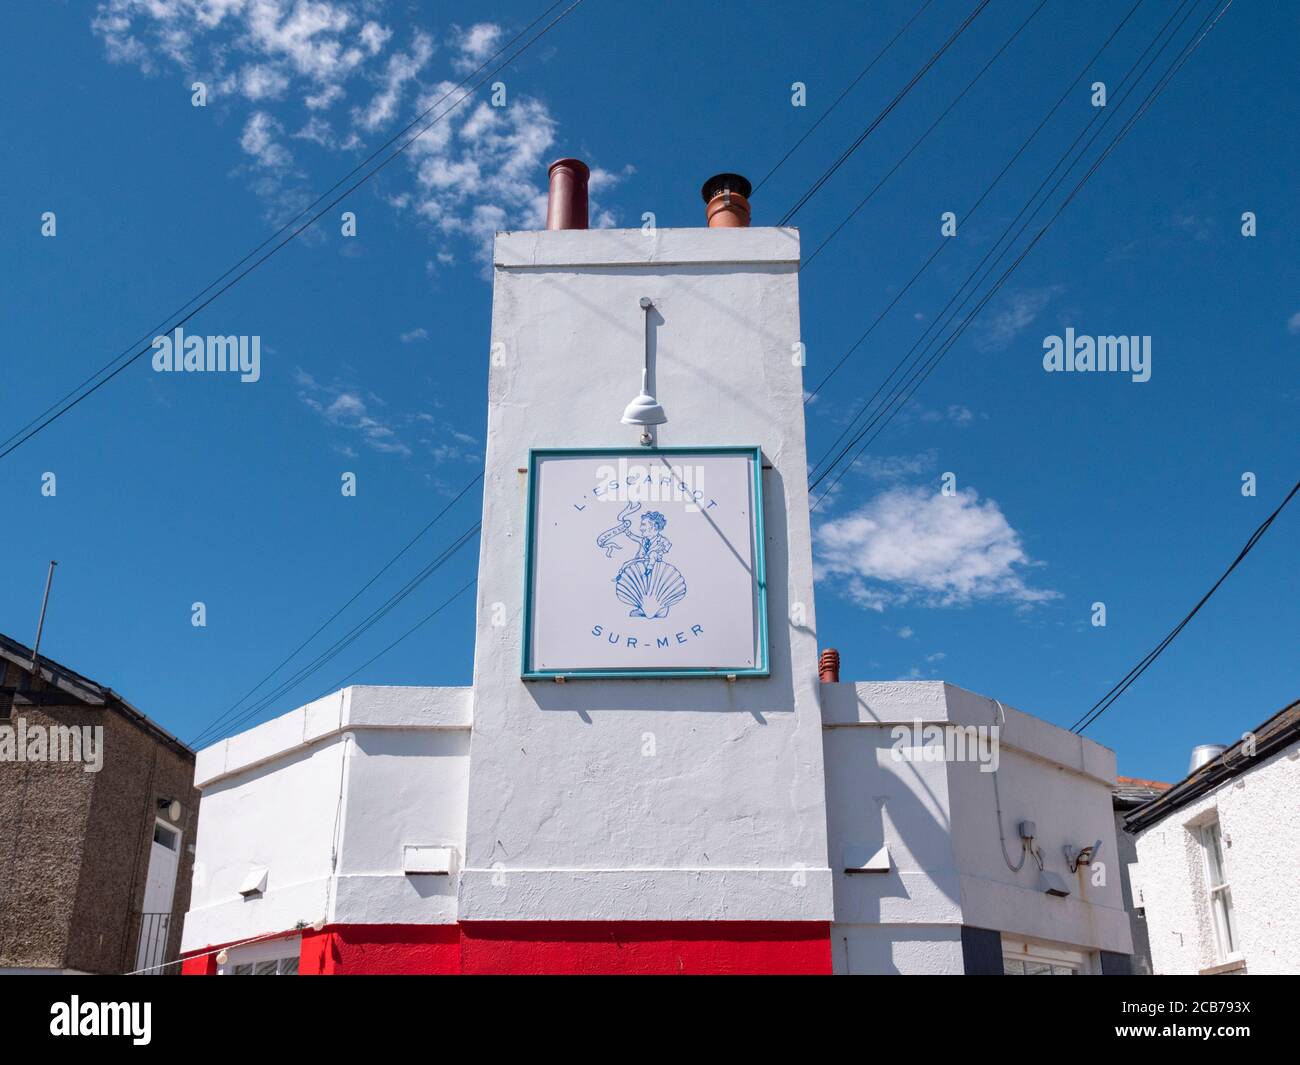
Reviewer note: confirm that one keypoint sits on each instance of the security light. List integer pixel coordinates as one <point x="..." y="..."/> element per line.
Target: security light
<point x="1083" y="856"/>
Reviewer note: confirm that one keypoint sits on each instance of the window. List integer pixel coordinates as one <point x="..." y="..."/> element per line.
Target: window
<point x="1026" y="958"/>
<point x="275" y="957"/>
<point x="1225" y="930"/>
<point x="166" y="835"/>
<point x="273" y="967"/>
<point x="1022" y="966"/>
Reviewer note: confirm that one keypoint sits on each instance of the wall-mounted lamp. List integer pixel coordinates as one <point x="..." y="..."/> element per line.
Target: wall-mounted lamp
<point x="171" y="807"/>
<point x="644" y="410"/>
<point x="1083" y="856"/>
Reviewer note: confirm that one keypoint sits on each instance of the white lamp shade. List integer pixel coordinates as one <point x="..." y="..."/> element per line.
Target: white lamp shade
<point x="644" y="410"/>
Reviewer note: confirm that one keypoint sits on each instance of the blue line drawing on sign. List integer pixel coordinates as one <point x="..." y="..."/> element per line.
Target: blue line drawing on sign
<point x="646" y="583"/>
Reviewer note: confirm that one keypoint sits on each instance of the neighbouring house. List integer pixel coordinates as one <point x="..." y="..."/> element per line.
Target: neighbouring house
<point x="97" y="818"/>
<point x="654" y="770"/>
<point x="1130" y="793"/>
<point x="1218" y="858"/>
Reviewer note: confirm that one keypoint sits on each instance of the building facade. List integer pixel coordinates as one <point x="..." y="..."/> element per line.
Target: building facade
<point x="670" y="788"/>
<point x="1129" y="794"/>
<point x="1218" y="859"/>
<point x="97" y="817"/>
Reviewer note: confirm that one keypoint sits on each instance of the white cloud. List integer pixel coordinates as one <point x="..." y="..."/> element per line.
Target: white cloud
<point x="477" y="170"/>
<point x="897" y="467"/>
<point x="475" y="45"/>
<point x="1015" y="313"/>
<point x="258" y="81"/>
<point x="415" y="334"/>
<point x="956" y="413"/>
<point x="905" y="632"/>
<point x="1293" y="324"/>
<point x="258" y="140"/>
<point x="402" y="68"/>
<point x="326" y="98"/>
<point x="345" y="409"/>
<point x="316" y="130"/>
<point x="912" y="545"/>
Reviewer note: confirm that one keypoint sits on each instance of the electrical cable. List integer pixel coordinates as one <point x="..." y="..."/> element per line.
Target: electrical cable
<point x="916" y="380"/>
<point x="157" y="329"/>
<point x="862" y="74"/>
<point x="328" y="621"/>
<point x="10" y="447"/>
<point x="817" y="185"/>
<point x="970" y="212"/>
<point x="1108" y="700"/>
<point x="921" y="139"/>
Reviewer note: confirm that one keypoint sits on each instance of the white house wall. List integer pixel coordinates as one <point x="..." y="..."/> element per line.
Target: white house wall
<point x="1259" y="819"/>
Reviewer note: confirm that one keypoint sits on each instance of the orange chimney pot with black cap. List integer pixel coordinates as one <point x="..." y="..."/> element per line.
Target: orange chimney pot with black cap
<point x="727" y="201"/>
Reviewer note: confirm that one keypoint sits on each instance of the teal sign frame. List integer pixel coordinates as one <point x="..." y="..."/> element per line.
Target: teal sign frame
<point x="761" y="668"/>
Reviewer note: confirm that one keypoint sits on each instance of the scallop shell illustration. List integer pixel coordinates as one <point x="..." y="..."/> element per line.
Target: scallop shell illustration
<point x="651" y="590"/>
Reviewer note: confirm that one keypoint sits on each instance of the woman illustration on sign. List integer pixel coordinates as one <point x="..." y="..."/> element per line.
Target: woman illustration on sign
<point x="648" y="584"/>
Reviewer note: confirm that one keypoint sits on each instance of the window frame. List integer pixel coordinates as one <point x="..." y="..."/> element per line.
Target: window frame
<point x="1024" y="952"/>
<point x="1209" y="836"/>
<point x="166" y="826"/>
<point x="273" y="951"/>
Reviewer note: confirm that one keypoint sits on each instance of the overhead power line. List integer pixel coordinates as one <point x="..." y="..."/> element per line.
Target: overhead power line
<point x="898" y="397"/>
<point x="922" y="138"/>
<point x="918" y="375"/>
<point x="358" y="630"/>
<point x="849" y="88"/>
<point x="409" y="632"/>
<point x="970" y="212"/>
<point x="108" y="373"/>
<point x="330" y="620"/>
<point x="871" y="126"/>
<point x="1108" y="700"/>
<point x="893" y="404"/>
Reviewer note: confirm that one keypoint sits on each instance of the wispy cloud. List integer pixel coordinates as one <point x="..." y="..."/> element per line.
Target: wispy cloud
<point x="914" y="545"/>
<point x="346" y="409"/>
<point x="414" y="335"/>
<point x="340" y="77"/>
<point x="1015" y="312"/>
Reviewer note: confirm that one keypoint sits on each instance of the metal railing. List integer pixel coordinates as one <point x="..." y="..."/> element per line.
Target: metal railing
<point x="151" y="950"/>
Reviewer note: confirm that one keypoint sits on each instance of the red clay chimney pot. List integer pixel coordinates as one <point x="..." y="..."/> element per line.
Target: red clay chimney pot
<point x="829" y="666"/>
<point x="566" y="204"/>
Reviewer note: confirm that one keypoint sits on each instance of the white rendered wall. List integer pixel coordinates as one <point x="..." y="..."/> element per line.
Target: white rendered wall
<point x="938" y="820"/>
<point x="381" y="767"/>
<point x="1259" y="818"/>
<point x="568" y="817"/>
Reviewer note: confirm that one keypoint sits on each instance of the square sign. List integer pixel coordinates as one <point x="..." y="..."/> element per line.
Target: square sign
<point x="645" y="562"/>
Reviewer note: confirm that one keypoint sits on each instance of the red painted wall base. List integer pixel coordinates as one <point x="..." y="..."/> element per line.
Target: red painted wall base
<point x="591" y="948"/>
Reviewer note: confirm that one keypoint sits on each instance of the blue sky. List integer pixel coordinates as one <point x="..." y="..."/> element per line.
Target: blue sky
<point x="1074" y="488"/>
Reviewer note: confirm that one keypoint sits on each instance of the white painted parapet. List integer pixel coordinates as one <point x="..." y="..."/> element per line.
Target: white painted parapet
<point x="937" y="820"/>
<point x="325" y="800"/>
